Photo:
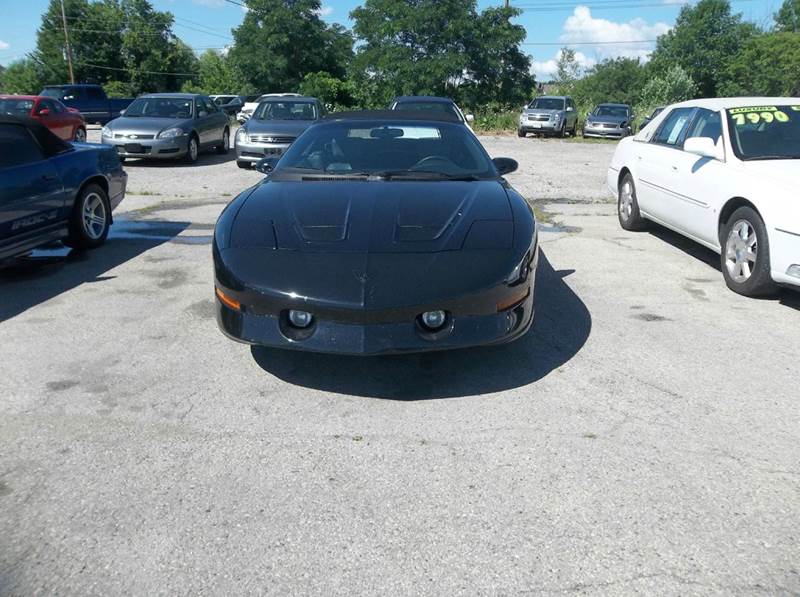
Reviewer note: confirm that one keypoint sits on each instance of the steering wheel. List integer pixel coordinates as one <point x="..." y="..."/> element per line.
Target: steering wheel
<point x="432" y="160"/>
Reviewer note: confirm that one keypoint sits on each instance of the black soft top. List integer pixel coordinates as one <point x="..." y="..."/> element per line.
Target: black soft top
<point x="394" y="115"/>
<point x="50" y="143"/>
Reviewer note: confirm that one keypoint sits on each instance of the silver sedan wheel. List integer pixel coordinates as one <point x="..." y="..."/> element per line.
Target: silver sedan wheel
<point x="626" y="200"/>
<point x="80" y="136"/>
<point x="741" y="251"/>
<point x="95" y="216"/>
<point x="193" y="149"/>
<point x="226" y="141"/>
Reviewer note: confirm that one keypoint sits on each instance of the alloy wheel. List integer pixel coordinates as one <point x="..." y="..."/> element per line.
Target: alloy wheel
<point x="193" y="149"/>
<point x="626" y="200"/>
<point x="741" y="251"/>
<point x="94" y="216"/>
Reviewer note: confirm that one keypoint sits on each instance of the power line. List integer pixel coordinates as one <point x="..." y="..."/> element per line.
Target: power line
<point x="135" y="70"/>
<point x="587" y="43"/>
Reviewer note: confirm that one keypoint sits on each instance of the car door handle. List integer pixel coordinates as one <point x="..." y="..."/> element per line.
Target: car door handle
<point x="675" y="168"/>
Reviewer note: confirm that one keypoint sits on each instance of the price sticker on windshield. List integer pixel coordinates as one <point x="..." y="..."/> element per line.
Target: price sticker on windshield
<point x="757" y="114"/>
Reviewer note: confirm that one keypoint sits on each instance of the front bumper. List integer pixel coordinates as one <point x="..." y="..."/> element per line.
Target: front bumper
<point x="172" y="148"/>
<point x="540" y="126"/>
<point x="601" y="131"/>
<point x="249" y="151"/>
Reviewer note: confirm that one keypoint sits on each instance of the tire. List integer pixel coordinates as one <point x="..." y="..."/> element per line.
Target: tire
<point x="224" y="145"/>
<point x="563" y="131"/>
<point x="80" y="135"/>
<point x="628" y="206"/>
<point x="192" y="153"/>
<point x="90" y="219"/>
<point x="744" y="259"/>
<point x="521" y="133"/>
<point x="243" y="165"/>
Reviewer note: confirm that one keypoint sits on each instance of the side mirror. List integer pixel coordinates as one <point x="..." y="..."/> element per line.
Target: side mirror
<point x="470" y="117"/>
<point x="266" y="165"/>
<point x="44" y="112"/>
<point x="122" y="112"/>
<point x="505" y="165"/>
<point x="704" y="147"/>
<point x="570" y="109"/>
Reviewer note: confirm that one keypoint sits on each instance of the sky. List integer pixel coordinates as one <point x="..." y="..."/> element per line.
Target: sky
<point x="594" y="28"/>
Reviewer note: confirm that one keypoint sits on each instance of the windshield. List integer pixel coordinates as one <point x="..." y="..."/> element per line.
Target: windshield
<point x="398" y="149"/>
<point x="429" y="107"/>
<point x="58" y="93"/>
<point x="613" y="111"/>
<point x="765" y="132"/>
<point x="160" y="107"/>
<point x="282" y="110"/>
<point x="16" y="107"/>
<point x="221" y="100"/>
<point x="547" y="103"/>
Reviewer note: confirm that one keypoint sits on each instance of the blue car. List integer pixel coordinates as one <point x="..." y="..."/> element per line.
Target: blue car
<point x="53" y="190"/>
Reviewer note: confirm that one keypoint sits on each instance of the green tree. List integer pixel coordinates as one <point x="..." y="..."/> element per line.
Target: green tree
<point x="280" y="41"/>
<point x="617" y="80"/>
<point x="567" y="71"/>
<point x="787" y="19"/>
<point x="673" y="86"/>
<point x="330" y="90"/>
<point x="22" y="77"/>
<point x="498" y="71"/>
<point x="704" y="40"/>
<point x="411" y="47"/>
<point x="767" y="65"/>
<point x="218" y="74"/>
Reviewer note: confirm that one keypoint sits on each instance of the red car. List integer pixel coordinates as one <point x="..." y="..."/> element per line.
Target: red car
<point x="65" y="122"/>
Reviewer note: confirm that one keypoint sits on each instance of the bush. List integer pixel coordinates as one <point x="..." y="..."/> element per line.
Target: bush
<point x="118" y="89"/>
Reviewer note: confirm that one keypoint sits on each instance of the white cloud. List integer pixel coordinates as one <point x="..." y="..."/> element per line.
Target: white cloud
<point x="4" y="45"/>
<point x="582" y="28"/>
<point x="212" y="3"/>
<point x="325" y="10"/>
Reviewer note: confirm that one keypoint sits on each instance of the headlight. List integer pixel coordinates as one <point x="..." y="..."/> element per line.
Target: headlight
<point x="241" y="134"/>
<point x="171" y="133"/>
<point x="520" y="273"/>
<point x="106" y="132"/>
<point x="556" y="117"/>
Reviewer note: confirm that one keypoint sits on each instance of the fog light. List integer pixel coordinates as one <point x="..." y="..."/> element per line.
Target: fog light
<point x="300" y="319"/>
<point x="794" y="271"/>
<point x="433" y="319"/>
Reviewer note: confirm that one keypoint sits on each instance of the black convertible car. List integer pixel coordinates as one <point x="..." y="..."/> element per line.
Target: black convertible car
<point x="378" y="232"/>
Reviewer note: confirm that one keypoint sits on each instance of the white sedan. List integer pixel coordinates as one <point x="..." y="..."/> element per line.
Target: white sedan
<point x="725" y="173"/>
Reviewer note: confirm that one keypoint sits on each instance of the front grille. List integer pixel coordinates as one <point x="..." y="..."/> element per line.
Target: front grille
<point x="609" y="126"/>
<point x="133" y="136"/>
<point x="539" y="117"/>
<point x="271" y="139"/>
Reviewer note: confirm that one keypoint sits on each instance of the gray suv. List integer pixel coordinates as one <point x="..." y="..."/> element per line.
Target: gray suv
<point x="168" y="126"/>
<point x="275" y="124"/>
<point x="549" y="115"/>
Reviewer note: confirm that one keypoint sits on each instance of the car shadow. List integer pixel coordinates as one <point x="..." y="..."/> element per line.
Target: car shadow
<point x="785" y="296"/>
<point x="561" y="327"/>
<point x="206" y="158"/>
<point x="52" y="270"/>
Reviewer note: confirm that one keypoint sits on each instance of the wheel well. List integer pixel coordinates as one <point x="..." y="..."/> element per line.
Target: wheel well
<point x="98" y="180"/>
<point x="731" y="206"/>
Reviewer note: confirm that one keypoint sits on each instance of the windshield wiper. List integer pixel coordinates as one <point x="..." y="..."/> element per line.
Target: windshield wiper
<point x="423" y="175"/>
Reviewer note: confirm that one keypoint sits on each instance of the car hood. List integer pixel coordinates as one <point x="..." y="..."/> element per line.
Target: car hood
<point x="371" y="217"/>
<point x="291" y="128"/>
<point x="144" y="125"/>
<point x="607" y="119"/>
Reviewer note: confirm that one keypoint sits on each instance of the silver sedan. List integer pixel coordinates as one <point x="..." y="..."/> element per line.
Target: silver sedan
<point x="169" y="126"/>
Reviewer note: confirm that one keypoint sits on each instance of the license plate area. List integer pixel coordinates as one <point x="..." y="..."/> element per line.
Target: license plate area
<point x="134" y="148"/>
<point x="273" y="151"/>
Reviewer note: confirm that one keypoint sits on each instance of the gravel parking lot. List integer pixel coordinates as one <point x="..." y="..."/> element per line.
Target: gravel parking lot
<point x="642" y="438"/>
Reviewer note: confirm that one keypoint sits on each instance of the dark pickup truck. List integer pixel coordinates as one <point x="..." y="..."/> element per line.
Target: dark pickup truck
<point x="90" y="100"/>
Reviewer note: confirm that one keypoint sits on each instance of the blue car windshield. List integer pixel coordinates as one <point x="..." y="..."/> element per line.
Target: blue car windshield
<point x="374" y="148"/>
<point x="160" y="107"/>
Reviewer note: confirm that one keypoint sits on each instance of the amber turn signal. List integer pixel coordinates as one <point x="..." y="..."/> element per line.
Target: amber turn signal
<point x="228" y="301"/>
<point x="515" y="299"/>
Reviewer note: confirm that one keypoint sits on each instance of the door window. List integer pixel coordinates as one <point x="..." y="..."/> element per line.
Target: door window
<point x="94" y="94"/>
<point x="200" y="108"/>
<point x="17" y="147"/>
<point x="673" y="127"/>
<point x="211" y="107"/>
<point x="706" y="123"/>
<point x="46" y="105"/>
<point x="58" y="107"/>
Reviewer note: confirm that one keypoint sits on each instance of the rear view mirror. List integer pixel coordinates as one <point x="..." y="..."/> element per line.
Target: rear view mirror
<point x="266" y="165"/>
<point x="704" y="147"/>
<point x="505" y="165"/>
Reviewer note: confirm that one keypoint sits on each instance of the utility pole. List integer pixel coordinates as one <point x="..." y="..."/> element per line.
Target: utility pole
<point x="507" y="3"/>
<point x="66" y="40"/>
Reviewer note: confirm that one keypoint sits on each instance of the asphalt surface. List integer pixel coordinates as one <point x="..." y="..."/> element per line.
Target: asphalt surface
<point x="642" y="439"/>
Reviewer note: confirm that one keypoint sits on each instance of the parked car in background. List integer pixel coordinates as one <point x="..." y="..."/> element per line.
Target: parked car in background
<point x="378" y="232"/>
<point x="649" y="119"/>
<point x="431" y="104"/>
<point x="230" y="104"/>
<point x="549" y="115"/>
<point x="66" y="123"/>
<point x="169" y="126"/>
<point x="609" y="120"/>
<point x="90" y="100"/>
<point x="274" y="126"/>
<point x="724" y="173"/>
<point x="53" y="190"/>
<point x="250" y="106"/>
